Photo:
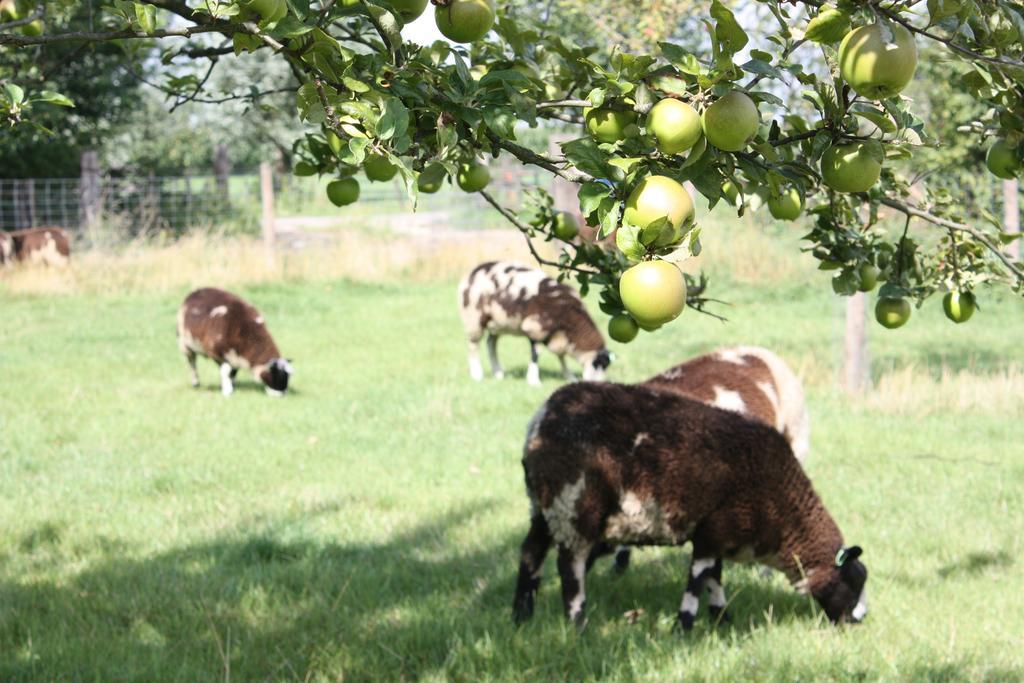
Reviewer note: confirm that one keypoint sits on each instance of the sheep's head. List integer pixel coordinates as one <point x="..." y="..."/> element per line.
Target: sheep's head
<point x="843" y="596"/>
<point x="275" y="377"/>
<point x="595" y="367"/>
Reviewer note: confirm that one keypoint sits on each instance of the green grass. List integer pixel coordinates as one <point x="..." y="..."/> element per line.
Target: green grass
<point x="366" y="527"/>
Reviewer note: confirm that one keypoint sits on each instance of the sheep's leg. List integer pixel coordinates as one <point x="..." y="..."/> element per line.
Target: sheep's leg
<point x="566" y="372"/>
<point x="476" y="368"/>
<point x="190" y="357"/>
<point x="531" y="563"/>
<point x="572" y="568"/>
<point x="622" y="554"/>
<point x="716" y="600"/>
<point x="597" y="552"/>
<point x="700" y="571"/>
<point x="492" y="351"/>
<point x="533" y="371"/>
<point x="227" y="387"/>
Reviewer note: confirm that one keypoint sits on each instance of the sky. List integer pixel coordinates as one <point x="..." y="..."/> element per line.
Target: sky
<point x="423" y="31"/>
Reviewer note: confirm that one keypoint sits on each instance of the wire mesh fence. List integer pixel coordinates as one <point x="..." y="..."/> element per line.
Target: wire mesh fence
<point x="124" y="208"/>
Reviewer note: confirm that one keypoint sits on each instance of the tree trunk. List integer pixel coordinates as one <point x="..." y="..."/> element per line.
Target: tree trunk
<point x="90" y="190"/>
<point x="221" y="170"/>
<point x="1011" y="215"/>
<point x="856" y="370"/>
<point x="267" y="196"/>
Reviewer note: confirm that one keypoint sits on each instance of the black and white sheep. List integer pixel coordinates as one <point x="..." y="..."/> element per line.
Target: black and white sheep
<point x="501" y="297"/>
<point x="610" y="464"/>
<point x="228" y="330"/>
<point x="748" y="380"/>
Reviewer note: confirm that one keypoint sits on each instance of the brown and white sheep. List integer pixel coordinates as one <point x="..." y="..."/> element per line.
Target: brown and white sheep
<point x="749" y="380"/>
<point x="501" y="297"/>
<point x="50" y="246"/>
<point x="228" y="330"/>
<point x="611" y="464"/>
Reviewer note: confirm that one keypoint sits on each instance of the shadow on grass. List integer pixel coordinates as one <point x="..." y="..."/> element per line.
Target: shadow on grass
<point x="253" y="606"/>
<point x="975" y="563"/>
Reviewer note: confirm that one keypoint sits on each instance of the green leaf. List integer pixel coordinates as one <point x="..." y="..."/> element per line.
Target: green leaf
<point x="305" y="97"/>
<point x="875" y="116"/>
<point x="502" y="121"/>
<point x="299" y="8"/>
<point x="354" y="152"/>
<point x="586" y="156"/>
<point x="394" y="120"/>
<point x="146" y="16"/>
<point x="829" y="26"/>
<point x="731" y="36"/>
<point x="15" y="94"/>
<point x="51" y="97"/>
<point x="627" y="239"/>
<point x="591" y="194"/>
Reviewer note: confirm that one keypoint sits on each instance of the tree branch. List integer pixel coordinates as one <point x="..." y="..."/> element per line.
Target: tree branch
<point x="24" y="21"/>
<point x="526" y="229"/>
<point x="562" y="103"/>
<point x="100" y="37"/>
<point x="948" y="42"/>
<point x="908" y="210"/>
<point x="528" y="156"/>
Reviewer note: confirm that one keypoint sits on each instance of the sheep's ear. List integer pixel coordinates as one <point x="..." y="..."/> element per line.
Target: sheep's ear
<point x="848" y="555"/>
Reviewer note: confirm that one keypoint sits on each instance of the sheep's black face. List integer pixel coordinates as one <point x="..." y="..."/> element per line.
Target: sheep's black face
<point x="844" y="599"/>
<point x="276" y="376"/>
<point x="595" y="369"/>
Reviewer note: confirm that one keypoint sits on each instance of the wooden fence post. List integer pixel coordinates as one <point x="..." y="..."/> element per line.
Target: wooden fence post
<point x="267" y="196"/>
<point x="856" y="370"/>
<point x="1011" y="214"/>
<point x="89" y="190"/>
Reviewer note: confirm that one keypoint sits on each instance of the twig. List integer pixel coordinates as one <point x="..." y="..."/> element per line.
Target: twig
<point x="526" y="229"/>
<point x="197" y="90"/>
<point x="127" y="34"/>
<point x="562" y="103"/>
<point x="24" y="21"/>
<point x="528" y="156"/>
<point x="908" y="210"/>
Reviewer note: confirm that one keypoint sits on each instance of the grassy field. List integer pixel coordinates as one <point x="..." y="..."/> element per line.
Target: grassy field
<point x="366" y="526"/>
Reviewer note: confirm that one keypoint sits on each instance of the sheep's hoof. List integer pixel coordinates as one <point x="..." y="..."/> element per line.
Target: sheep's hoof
<point x="621" y="562"/>
<point x="522" y="610"/>
<point x="684" y="622"/>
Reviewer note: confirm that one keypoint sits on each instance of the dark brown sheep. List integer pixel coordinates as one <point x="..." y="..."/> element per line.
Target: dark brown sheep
<point x="749" y="380"/>
<point x="501" y="297"/>
<point x="612" y="464"/>
<point x="49" y="245"/>
<point x="229" y="331"/>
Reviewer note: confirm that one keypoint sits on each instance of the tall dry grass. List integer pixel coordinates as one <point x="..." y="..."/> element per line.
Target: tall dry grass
<point x="216" y="259"/>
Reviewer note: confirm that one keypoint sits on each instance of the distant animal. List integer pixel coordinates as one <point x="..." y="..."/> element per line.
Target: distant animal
<point x="229" y="331"/>
<point x="6" y="248"/>
<point x="612" y="464"/>
<point x="502" y="297"/>
<point x="749" y="380"/>
<point x="49" y="245"/>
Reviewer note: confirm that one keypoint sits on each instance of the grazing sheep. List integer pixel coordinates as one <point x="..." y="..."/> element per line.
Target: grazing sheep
<point x="508" y="298"/>
<point x="611" y="464"/>
<point x="50" y="246"/>
<point x="749" y="380"/>
<point x="229" y="331"/>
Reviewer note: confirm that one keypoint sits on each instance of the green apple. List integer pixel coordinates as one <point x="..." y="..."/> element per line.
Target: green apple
<point x="378" y="168"/>
<point x="473" y="176"/>
<point x="607" y="125"/>
<point x="622" y="328"/>
<point x="409" y="10"/>
<point x="878" y="60"/>
<point x="1002" y="159"/>
<point x="655" y="197"/>
<point x="653" y="292"/>
<point x="867" y="276"/>
<point x="465" y="21"/>
<point x="850" y="167"/>
<point x="430" y="180"/>
<point x="675" y="125"/>
<point x="731" y="122"/>
<point x="343" y="192"/>
<point x="730" y="192"/>
<point x="269" y="10"/>
<point x="892" y="312"/>
<point x="958" y="306"/>
<point x="786" y="206"/>
<point x="334" y="142"/>
<point x="566" y="226"/>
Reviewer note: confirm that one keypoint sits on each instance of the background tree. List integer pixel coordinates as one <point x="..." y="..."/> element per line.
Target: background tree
<point x="843" y="155"/>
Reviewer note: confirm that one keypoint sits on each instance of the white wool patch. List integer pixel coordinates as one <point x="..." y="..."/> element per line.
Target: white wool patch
<point x="728" y="400"/>
<point x="236" y="360"/>
<point x="732" y="356"/>
<point x="639" y="520"/>
<point x="640" y="438"/>
<point x="717" y="597"/>
<point x="533" y="375"/>
<point x="258" y="320"/>
<point x="861" y="609"/>
<point x="218" y="311"/>
<point x="673" y="373"/>
<point x="690" y="603"/>
<point x="700" y="566"/>
<point x="579" y="570"/>
<point x="768" y="389"/>
<point x="791" y="409"/>
<point x="561" y="515"/>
